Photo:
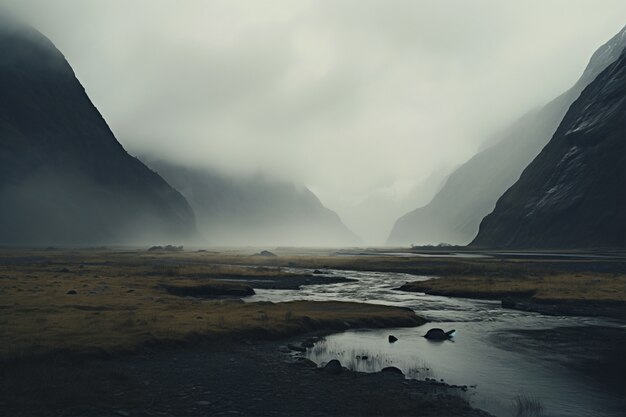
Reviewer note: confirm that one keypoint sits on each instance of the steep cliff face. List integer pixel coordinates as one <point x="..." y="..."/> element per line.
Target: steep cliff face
<point x="255" y="211"/>
<point x="573" y="194"/>
<point x="64" y="178"/>
<point x="471" y="192"/>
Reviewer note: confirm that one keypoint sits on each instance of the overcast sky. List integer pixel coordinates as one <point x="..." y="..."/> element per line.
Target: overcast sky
<point x="355" y="99"/>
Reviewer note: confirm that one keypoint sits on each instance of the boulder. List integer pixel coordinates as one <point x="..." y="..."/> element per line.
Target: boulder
<point x="71" y="292"/>
<point x="392" y="339"/>
<point x="333" y="367"/>
<point x="438" y="334"/>
<point x="392" y="370"/>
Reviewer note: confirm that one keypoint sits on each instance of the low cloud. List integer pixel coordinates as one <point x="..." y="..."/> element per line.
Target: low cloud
<point x="351" y="98"/>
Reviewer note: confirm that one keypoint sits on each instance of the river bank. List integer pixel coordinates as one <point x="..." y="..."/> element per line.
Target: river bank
<point x="103" y="333"/>
<point x="484" y="353"/>
<point x="118" y="294"/>
<point x="215" y="379"/>
<point x="83" y="301"/>
<point x="557" y="294"/>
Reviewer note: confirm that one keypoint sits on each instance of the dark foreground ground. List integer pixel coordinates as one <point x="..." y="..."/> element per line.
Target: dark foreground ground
<point x="119" y="302"/>
<point x="214" y="380"/>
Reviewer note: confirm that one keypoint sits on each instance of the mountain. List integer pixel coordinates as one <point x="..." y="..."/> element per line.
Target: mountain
<point x="573" y="194"/>
<point x="471" y="192"/>
<point x="255" y="211"/>
<point x="385" y="204"/>
<point x="64" y="178"/>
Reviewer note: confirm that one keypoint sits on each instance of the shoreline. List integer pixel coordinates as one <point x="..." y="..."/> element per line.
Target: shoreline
<point x="533" y="294"/>
<point x="262" y="321"/>
<point x="135" y="333"/>
<point x="94" y="335"/>
<point x="215" y="379"/>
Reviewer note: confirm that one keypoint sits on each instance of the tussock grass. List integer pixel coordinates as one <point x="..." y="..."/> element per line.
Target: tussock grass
<point x="120" y="303"/>
<point x="578" y="287"/>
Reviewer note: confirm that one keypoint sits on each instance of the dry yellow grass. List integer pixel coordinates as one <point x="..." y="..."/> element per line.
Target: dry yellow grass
<point x="119" y="302"/>
<point x="583" y="287"/>
<point x="119" y="305"/>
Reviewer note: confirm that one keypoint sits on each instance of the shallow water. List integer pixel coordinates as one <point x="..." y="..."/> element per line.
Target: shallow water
<point x="480" y="354"/>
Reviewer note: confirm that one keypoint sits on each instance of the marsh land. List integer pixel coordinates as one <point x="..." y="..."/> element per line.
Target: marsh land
<point x="136" y="332"/>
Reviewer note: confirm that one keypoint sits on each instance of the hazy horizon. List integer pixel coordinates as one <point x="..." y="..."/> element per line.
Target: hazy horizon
<point x="369" y="104"/>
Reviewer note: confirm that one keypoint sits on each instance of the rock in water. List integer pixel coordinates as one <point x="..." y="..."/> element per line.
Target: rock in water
<point x="392" y="370"/>
<point x="438" y="334"/>
<point x="392" y="339"/>
<point x="333" y="367"/>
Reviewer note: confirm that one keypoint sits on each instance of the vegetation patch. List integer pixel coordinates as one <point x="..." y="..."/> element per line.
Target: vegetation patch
<point x="558" y="287"/>
<point x="585" y="294"/>
<point x="122" y="301"/>
<point x="210" y="290"/>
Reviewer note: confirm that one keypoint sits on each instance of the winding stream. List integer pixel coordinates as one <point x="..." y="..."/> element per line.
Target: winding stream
<point x="483" y="354"/>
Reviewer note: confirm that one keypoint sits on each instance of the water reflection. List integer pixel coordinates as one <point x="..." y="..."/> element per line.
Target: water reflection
<point x="481" y="354"/>
<point x="363" y="359"/>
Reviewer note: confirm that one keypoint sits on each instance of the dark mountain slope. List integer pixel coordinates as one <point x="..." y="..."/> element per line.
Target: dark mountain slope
<point x="471" y="192"/>
<point x="573" y="194"/>
<point x="64" y="178"/>
<point x="255" y="211"/>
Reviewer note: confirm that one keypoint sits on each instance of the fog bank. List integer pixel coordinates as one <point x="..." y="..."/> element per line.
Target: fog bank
<point x="360" y="101"/>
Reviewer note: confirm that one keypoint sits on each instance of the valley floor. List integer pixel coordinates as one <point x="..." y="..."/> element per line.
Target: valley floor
<point x="126" y="332"/>
<point x="102" y="332"/>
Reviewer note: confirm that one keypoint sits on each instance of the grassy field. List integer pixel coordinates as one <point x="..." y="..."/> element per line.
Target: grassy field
<point x="589" y="287"/>
<point x="118" y="300"/>
<point x="103" y="300"/>
<point x="570" y="294"/>
<point x="439" y="265"/>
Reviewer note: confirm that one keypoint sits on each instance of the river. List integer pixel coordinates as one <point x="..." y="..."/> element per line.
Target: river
<point x="483" y="355"/>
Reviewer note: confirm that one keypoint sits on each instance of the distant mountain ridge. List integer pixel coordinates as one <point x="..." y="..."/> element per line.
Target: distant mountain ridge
<point x="64" y="178"/>
<point x="573" y="194"/>
<point x="253" y="211"/>
<point x="454" y="214"/>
